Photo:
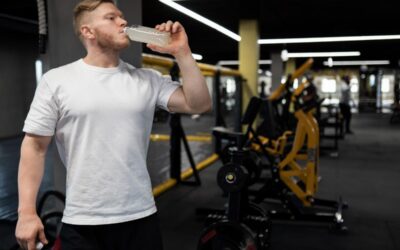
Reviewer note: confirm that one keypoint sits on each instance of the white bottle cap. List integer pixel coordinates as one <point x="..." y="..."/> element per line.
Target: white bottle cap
<point x="39" y="245"/>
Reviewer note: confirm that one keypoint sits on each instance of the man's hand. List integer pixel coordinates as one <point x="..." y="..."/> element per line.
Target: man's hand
<point x="30" y="230"/>
<point x="179" y="45"/>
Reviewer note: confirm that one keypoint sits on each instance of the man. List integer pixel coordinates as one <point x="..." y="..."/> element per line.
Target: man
<point x="344" y="104"/>
<point x="100" y="111"/>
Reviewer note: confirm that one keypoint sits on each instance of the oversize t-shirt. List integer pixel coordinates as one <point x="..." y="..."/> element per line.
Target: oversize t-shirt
<point x="101" y="119"/>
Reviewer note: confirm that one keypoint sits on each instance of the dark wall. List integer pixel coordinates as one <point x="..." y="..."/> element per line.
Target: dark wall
<point x="18" y="53"/>
<point x="64" y="46"/>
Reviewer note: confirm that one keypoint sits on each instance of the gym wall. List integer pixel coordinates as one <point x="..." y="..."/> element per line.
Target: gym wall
<point x="18" y="52"/>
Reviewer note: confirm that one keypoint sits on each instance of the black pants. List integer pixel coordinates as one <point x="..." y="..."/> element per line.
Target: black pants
<point x="142" y="234"/>
<point x="345" y="109"/>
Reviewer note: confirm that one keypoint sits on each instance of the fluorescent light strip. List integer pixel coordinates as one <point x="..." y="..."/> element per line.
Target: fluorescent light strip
<point x="264" y="62"/>
<point x="328" y="39"/>
<point x="233" y="62"/>
<point x="323" y="54"/>
<point x="228" y="62"/>
<point x="356" y="63"/>
<point x="298" y="55"/>
<point x="236" y="37"/>
<point x="201" y="19"/>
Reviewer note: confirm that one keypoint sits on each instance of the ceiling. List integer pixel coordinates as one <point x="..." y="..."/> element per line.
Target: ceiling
<point x="277" y="19"/>
<point x="287" y="19"/>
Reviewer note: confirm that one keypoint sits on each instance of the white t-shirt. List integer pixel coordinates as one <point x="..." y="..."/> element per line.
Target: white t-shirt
<point x="101" y="119"/>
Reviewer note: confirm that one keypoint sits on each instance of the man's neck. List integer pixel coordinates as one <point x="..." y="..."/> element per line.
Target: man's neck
<point x="102" y="59"/>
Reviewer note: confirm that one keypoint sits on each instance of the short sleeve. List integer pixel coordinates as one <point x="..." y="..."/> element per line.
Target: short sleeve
<point x="167" y="88"/>
<point x="43" y="114"/>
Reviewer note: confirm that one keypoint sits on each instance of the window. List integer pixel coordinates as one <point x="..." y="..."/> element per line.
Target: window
<point x="39" y="70"/>
<point x="354" y="85"/>
<point x="385" y="87"/>
<point x="328" y="85"/>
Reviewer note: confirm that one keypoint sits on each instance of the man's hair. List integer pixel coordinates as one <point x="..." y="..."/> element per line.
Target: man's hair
<point x="84" y="7"/>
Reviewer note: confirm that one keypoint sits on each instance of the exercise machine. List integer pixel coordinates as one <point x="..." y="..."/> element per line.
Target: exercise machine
<point x="243" y="225"/>
<point x="294" y="177"/>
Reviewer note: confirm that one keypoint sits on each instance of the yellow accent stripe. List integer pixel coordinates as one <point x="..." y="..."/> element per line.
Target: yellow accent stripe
<point x="163" y="187"/>
<point x="160" y="137"/>
<point x="210" y="160"/>
<point x="198" y="138"/>
<point x="186" y="174"/>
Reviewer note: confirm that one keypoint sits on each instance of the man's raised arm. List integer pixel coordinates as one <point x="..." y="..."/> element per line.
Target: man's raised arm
<point x="193" y="97"/>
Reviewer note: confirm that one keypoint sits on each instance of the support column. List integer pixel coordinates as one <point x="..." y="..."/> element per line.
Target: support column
<point x="290" y="66"/>
<point x="276" y="69"/>
<point x="249" y="53"/>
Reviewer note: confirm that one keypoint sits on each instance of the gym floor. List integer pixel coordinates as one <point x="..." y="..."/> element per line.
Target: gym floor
<point x="366" y="174"/>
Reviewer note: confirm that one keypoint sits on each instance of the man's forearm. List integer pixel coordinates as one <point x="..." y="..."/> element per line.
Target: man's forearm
<point x="194" y="85"/>
<point x="30" y="175"/>
<point x="193" y="97"/>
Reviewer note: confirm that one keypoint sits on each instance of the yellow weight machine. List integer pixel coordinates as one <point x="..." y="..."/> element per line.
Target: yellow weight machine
<point x="294" y="176"/>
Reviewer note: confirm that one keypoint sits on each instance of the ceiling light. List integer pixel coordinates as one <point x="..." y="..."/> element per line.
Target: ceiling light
<point x="228" y="62"/>
<point x="284" y="55"/>
<point x="323" y="54"/>
<point x="330" y="62"/>
<point x="236" y="37"/>
<point x="356" y="63"/>
<point x="233" y="62"/>
<point x="328" y="39"/>
<point x="201" y="19"/>
<point x="264" y="62"/>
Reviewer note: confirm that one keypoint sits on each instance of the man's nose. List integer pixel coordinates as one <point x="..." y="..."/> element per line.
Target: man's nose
<point x="123" y="22"/>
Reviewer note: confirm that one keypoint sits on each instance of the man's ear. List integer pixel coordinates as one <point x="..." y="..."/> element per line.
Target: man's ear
<point x="86" y="32"/>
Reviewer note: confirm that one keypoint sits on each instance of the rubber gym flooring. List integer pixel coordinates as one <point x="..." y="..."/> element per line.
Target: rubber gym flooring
<point x="366" y="174"/>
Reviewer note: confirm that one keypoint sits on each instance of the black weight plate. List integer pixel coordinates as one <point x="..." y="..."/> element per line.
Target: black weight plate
<point x="238" y="173"/>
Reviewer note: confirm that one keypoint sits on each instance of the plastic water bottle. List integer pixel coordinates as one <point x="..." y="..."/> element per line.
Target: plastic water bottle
<point x="144" y="34"/>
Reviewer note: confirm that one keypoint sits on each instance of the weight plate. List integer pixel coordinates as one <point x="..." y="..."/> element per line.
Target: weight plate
<point x="232" y="177"/>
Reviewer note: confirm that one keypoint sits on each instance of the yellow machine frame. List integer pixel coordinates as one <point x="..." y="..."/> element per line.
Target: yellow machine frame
<point x="277" y="147"/>
<point x="302" y="179"/>
<point x="299" y="72"/>
<point x="298" y="170"/>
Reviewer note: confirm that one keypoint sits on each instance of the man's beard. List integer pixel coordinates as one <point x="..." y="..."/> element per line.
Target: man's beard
<point x="107" y="41"/>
